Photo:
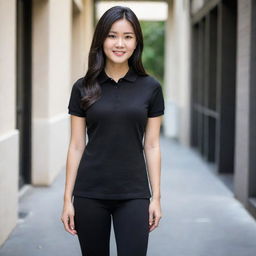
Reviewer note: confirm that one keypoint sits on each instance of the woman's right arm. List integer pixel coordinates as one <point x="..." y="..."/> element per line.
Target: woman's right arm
<point x="75" y="151"/>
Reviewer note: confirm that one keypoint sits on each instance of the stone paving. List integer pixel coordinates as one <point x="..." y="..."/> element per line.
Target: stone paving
<point x="201" y="217"/>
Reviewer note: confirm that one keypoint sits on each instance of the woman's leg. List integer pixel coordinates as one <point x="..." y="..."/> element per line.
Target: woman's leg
<point x="93" y="223"/>
<point x="131" y="227"/>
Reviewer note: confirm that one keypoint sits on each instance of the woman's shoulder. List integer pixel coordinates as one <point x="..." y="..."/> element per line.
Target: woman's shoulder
<point x="150" y="80"/>
<point x="78" y="83"/>
<point x="78" y="86"/>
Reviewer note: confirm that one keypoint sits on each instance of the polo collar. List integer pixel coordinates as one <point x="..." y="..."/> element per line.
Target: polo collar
<point x="130" y="76"/>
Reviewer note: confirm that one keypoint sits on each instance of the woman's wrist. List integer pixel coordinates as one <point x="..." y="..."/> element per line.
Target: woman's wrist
<point x="156" y="198"/>
<point x="67" y="199"/>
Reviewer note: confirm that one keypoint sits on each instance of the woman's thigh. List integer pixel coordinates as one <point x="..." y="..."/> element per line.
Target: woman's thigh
<point x="93" y="224"/>
<point x="131" y="227"/>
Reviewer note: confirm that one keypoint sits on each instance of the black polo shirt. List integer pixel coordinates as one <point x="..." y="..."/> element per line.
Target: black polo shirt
<point x="113" y="164"/>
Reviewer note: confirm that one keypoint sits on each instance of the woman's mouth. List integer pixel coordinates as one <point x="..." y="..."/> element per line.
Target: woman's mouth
<point x="119" y="53"/>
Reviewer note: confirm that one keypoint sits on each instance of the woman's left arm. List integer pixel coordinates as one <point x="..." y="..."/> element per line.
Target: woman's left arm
<point x="153" y="160"/>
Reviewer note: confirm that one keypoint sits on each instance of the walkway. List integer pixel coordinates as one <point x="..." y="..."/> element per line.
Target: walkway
<point x="201" y="217"/>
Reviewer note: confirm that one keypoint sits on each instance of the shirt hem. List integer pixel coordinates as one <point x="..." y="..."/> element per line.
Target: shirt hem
<point x="112" y="196"/>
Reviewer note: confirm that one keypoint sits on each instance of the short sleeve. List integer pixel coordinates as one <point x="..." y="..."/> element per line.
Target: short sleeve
<point x="156" y="104"/>
<point x="74" y="107"/>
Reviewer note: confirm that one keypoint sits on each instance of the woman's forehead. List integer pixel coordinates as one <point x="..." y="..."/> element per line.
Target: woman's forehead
<point x="122" y="26"/>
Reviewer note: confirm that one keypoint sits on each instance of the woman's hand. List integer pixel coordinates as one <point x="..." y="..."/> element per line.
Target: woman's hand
<point x="154" y="214"/>
<point x="68" y="218"/>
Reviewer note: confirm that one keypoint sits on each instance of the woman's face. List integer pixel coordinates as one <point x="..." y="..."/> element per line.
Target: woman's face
<point x="120" y="42"/>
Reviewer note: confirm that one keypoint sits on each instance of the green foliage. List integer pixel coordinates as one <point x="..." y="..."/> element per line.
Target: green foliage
<point x="153" y="52"/>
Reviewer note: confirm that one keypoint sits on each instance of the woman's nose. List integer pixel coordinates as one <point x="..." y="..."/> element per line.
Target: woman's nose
<point x="120" y="42"/>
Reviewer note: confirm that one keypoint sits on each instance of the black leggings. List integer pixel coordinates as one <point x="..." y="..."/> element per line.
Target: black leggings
<point x="130" y="221"/>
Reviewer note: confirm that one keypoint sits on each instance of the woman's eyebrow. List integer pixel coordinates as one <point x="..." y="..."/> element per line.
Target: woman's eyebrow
<point x="124" y="32"/>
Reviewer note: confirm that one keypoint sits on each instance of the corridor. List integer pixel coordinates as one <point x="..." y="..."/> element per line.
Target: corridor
<point x="201" y="217"/>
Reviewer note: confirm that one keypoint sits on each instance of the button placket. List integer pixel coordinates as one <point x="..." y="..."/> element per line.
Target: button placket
<point x="116" y="84"/>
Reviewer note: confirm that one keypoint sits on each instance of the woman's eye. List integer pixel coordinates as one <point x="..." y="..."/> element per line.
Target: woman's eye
<point x="112" y="36"/>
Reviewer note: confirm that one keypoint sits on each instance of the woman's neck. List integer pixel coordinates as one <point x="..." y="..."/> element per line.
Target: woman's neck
<point x="116" y="71"/>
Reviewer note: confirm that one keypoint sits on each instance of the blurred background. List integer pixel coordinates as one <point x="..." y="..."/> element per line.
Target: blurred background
<point x="202" y="51"/>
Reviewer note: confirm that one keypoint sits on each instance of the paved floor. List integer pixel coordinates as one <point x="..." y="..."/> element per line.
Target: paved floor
<point x="201" y="217"/>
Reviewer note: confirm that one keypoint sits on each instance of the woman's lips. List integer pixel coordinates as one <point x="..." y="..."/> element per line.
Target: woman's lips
<point x="119" y="53"/>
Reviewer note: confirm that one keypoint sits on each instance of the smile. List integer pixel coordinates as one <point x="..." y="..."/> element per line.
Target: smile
<point x="118" y="53"/>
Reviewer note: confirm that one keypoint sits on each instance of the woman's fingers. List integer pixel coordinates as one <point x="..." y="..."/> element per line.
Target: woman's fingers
<point x="71" y="224"/>
<point x="67" y="226"/>
<point x="154" y="214"/>
<point x="65" y="221"/>
<point x="152" y="226"/>
<point x="155" y="223"/>
<point x="151" y="218"/>
<point x="157" y="219"/>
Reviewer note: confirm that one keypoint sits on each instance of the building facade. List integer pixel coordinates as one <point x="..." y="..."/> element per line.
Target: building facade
<point x="223" y="91"/>
<point x="41" y="55"/>
<point x="209" y="86"/>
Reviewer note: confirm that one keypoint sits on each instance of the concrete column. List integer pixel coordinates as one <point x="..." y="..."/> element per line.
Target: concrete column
<point x="9" y="140"/>
<point x="82" y="31"/>
<point x="170" y="123"/>
<point x="177" y="71"/>
<point x="61" y="35"/>
<point x="88" y="17"/>
<point x="241" y="177"/>
<point x="51" y="80"/>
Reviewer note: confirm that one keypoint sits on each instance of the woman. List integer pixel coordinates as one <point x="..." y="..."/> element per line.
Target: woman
<point x="117" y="103"/>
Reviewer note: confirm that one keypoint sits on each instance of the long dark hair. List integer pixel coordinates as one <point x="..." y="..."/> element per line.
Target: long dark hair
<point x="97" y="58"/>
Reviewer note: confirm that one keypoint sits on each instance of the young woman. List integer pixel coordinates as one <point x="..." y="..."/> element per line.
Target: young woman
<point x="120" y="108"/>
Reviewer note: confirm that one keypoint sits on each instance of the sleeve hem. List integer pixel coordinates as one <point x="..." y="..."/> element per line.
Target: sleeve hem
<point x="156" y="114"/>
<point x="76" y="114"/>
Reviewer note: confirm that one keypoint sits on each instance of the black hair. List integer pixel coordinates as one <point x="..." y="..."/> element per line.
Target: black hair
<point x="97" y="58"/>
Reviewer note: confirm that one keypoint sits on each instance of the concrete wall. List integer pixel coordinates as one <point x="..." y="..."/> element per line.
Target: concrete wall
<point x="62" y="32"/>
<point x="177" y="72"/>
<point x="156" y="10"/>
<point x="8" y="133"/>
<point x="241" y="178"/>
<point x="51" y="82"/>
<point x="59" y="57"/>
<point x="245" y="95"/>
